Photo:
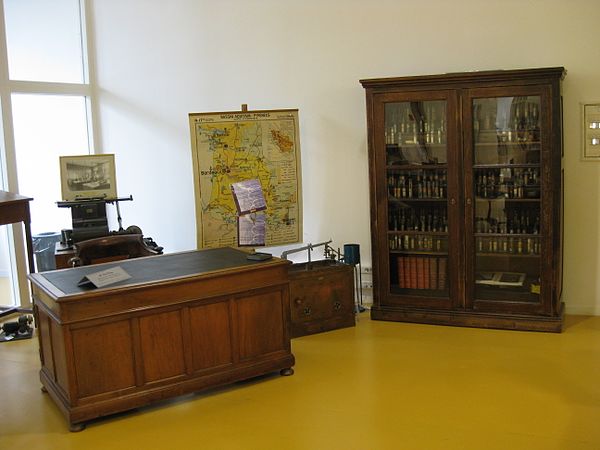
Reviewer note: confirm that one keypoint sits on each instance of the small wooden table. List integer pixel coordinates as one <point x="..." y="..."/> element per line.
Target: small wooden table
<point x="62" y="254"/>
<point x="14" y="208"/>
<point x="182" y="323"/>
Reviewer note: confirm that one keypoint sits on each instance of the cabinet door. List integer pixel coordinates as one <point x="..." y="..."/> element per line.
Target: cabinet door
<point x="507" y="202"/>
<point x="416" y="160"/>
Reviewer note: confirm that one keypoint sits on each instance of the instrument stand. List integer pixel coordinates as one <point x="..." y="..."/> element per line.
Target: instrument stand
<point x="351" y="257"/>
<point x="88" y="216"/>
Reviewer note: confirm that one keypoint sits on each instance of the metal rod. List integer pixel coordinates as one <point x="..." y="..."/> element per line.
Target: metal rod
<point x="306" y="247"/>
<point x="119" y="216"/>
<point x="82" y="201"/>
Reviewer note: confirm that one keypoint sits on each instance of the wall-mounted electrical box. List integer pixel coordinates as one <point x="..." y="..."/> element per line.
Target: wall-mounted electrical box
<point x="590" y="113"/>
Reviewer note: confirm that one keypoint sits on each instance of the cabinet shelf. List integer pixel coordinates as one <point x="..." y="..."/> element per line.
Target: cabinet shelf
<point x="417" y="252"/>
<point x="507" y="235"/>
<point x="487" y="146"/>
<point x="403" y="199"/>
<point x="507" y="199"/>
<point x="506" y="255"/>
<point x="416" y="232"/>
<point x="508" y="144"/>
<point x="397" y="290"/>
<point x="511" y="294"/>
<point x="507" y="166"/>
<point x="394" y="167"/>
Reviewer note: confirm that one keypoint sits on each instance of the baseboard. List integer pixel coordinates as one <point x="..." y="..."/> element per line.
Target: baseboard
<point x="583" y="310"/>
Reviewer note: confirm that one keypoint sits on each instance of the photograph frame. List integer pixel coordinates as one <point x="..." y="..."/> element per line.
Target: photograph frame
<point x="88" y="176"/>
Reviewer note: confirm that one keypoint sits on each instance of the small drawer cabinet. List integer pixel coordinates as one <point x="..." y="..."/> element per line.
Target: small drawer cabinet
<point x="322" y="297"/>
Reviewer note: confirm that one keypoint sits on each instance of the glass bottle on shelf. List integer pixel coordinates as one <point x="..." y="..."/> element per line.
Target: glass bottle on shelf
<point x="506" y="188"/>
<point x="417" y="187"/>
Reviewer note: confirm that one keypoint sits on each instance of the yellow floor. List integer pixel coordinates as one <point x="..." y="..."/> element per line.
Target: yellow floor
<point x="380" y="385"/>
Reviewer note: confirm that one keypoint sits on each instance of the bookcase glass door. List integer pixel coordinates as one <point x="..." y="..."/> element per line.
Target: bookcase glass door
<point x="417" y="188"/>
<point x="506" y="190"/>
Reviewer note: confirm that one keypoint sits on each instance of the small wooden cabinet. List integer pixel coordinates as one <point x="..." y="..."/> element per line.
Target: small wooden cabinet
<point x="466" y="198"/>
<point x="62" y="254"/>
<point x="321" y="297"/>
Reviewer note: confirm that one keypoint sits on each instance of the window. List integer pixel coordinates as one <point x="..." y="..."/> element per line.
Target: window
<point x="46" y="104"/>
<point x="46" y="127"/>
<point x="44" y="40"/>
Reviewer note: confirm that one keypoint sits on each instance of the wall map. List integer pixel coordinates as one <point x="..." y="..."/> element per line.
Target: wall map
<point x="231" y="147"/>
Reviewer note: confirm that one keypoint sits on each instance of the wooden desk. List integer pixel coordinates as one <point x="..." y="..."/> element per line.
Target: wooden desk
<point x="14" y="208"/>
<point x="184" y="322"/>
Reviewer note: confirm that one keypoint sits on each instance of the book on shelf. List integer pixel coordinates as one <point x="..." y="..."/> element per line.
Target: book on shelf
<point x="426" y="275"/>
<point x="442" y="268"/>
<point x="420" y="273"/>
<point x="413" y="272"/>
<point x="401" y="272"/>
<point x="509" y="279"/>
<point x="433" y="273"/>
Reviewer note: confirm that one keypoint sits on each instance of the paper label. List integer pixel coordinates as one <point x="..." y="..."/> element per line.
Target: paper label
<point x="105" y="277"/>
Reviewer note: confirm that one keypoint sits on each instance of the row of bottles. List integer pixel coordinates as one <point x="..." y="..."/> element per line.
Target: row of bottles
<point x="422" y="127"/>
<point x="418" y="243"/>
<point x="516" y="136"/>
<point x="507" y="182"/>
<point x="522" y="124"/>
<point x="515" y="221"/>
<point x="418" y="184"/>
<point x="515" y="246"/>
<point x="418" y="219"/>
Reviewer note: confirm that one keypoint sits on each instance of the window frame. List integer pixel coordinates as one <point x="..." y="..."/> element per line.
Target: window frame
<point x="8" y="160"/>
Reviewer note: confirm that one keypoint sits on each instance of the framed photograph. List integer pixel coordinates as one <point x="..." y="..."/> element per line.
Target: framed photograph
<point x="88" y="176"/>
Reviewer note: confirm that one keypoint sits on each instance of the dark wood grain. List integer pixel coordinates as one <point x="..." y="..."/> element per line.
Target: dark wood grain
<point x="460" y="305"/>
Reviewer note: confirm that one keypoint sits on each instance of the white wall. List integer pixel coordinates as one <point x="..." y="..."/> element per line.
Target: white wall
<point x="159" y="60"/>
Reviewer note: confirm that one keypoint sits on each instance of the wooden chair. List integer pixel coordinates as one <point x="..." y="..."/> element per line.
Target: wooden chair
<point x="110" y="248"/>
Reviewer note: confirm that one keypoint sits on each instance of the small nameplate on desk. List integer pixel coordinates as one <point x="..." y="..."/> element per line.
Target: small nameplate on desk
<point x="104" y="277"/>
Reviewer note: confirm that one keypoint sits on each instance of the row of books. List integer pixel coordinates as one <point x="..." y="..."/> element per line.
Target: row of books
<point x="422" y="272"/>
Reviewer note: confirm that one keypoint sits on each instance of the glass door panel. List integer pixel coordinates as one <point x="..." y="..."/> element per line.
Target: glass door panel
<point x="417" y="188"/>
<point x="506" y="187"/>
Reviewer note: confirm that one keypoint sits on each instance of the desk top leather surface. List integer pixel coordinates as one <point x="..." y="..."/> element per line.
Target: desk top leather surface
<point x="152" y="268"/>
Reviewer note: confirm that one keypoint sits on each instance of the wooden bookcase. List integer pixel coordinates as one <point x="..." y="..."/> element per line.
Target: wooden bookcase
<point x="466" y="198"/>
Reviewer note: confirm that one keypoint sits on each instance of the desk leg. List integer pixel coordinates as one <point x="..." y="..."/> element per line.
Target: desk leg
<point x="75" y="427"/>
<point x="29" y="241"/>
